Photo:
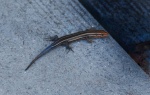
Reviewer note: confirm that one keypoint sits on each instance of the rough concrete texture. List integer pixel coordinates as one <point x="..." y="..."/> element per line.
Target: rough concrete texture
<point x="100" y="68"/>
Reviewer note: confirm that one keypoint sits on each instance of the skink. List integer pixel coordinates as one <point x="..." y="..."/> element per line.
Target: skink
<point x="66" y="40"/>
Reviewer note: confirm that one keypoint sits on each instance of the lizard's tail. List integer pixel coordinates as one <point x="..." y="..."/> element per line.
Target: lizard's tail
<point x="38" y="56"/>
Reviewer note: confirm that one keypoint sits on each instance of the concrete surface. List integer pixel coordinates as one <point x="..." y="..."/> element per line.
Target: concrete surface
<point x="100" y="68"/>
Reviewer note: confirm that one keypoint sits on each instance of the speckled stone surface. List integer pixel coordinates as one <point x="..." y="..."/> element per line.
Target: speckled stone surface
<point x="100" y="68"/>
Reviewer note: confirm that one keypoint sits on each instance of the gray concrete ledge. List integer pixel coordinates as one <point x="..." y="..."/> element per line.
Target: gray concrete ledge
<point x="100" y="68"/>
